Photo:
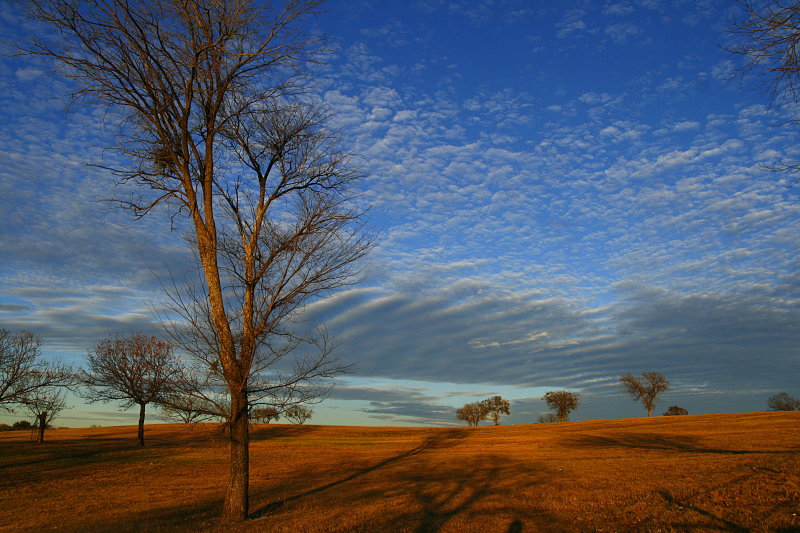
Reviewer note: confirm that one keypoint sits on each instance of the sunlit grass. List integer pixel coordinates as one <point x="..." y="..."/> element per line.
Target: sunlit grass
<point x="699" y="473"/>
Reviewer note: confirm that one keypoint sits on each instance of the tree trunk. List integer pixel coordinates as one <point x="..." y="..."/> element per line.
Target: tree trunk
<point x="236" y="498"/>
<point x="141" y="424"/>
<point x="42" y="425"/>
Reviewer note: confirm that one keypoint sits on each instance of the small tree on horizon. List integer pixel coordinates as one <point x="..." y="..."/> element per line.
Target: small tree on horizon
<point x="298" y="414"/>
<point x="783" y="402"/>
<point x="562" y="402"/>
<point x="473" y="413"/>
<point x="496" y="406"/>
<point x="549" y="418"/>
<point x="265" y="414"/>
<point x="675" y="411"/>
<point x="45" y="404"/>
<point x="645" y="390"/>
<point x="185" y="408"/>
<point x="134" y="370"/>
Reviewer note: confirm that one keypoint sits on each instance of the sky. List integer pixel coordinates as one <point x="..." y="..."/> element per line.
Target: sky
<point x="563" y="192"/>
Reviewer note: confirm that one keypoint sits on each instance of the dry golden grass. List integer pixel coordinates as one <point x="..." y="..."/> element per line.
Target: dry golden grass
<point x="693" y="473"/>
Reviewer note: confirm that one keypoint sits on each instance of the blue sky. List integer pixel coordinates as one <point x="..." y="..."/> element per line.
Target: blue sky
<point x="564" y="192"/>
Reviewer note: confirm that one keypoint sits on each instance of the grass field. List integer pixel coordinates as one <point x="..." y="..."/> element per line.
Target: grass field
<point x="692" y="473"/>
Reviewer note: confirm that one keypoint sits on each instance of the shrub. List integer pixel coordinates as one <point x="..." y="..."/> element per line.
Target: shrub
<point x="5" y="427"/>
<point x="675" y="411"/>
<point x="783" y="402"/>
<point x="22" y="424"/>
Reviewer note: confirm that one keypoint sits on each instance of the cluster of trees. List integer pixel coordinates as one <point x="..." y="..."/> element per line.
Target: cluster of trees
<point x="218" y="129"/>
<point x="645" y="388"/>
<point x="29" y="382"/>
<point x="476" y="412"/>
<point x="136" y="370"/>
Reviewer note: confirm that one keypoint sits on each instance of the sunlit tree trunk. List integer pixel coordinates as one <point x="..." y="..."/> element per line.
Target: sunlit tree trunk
<point x="236" y="504"/>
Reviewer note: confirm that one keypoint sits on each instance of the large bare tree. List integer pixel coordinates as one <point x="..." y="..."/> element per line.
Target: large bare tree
<point x="135" y="370"/>
<point x="766" y="35"/>
<point x="23" y="372"/>
<point x="220" y="133"/>
<point x="645" y="389"/>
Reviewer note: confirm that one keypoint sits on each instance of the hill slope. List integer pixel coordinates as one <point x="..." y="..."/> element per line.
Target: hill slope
<point x="702" y="473"/>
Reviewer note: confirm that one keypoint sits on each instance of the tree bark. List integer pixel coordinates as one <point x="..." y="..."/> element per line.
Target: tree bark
<point x="141" y="424"/>
<point x="42" y="425"/>
<point x="235" y="508"/>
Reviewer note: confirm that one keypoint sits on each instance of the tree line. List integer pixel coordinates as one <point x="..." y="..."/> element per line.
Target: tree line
<point x="645" y="388"/>
<point x="136" y="370"/>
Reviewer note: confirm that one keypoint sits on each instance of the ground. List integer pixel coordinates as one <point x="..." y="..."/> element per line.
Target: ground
<point x="732" y="472"/>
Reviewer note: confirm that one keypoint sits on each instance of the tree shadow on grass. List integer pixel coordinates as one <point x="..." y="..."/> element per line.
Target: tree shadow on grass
<point x="453" y="494"/>
<point x="440" y="489"/>
<point x="660" y="442"/>
<point x="267" y="431"/>
<point x="726" y="525"/>
<point x="445" y="439"/>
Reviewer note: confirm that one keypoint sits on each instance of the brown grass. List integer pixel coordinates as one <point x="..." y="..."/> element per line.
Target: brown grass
<point x="692" y="473"/>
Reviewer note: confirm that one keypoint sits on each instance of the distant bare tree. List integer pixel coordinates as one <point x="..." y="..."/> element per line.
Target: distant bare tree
<point x="675" y="411"/>
<point x="767" y="38"/>
<point x="23" y="373"/>
<point x="562" y="402"/>
<point x="185" y="408"/>
<point x="45" y="404"/>
<point x="645" y="390"/>
<point x="783" y="402"/>
<point x="496" y="406"/>
<point x="298" y="414"/>
<point x="549" y="418"/>
<point x="135" y="370"/>
<point x="265" y="414"/>
<point x="473" y="413"/>
<point x="218" y="129"/>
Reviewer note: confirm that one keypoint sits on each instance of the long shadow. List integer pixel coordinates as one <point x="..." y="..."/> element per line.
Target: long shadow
<point x="265" y="431"/>
<point x="451" y="490"/>
<point x="661" y="442"/>
<point x="730" y="526"/>
<point x="446" y="439"/>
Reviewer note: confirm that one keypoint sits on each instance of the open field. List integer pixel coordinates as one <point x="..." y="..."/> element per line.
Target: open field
<point x="700" y="473"/>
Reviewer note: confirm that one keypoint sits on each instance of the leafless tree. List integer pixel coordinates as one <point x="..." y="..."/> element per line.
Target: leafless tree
<point x="562" y="402"/>
<point x="496" y="406"/>
<point x="184" y="408"/>
<point x="675" y="411"/>
<point x="549" y="418"/>
<point x="767" y="37"/>
<point x="45" y="404"/>
<point x="298" y="414"/>
<point x="218" y="131"/>
<point x="783" y="402"/>
<point x="647" y="389"/>
<point x="23" y="372"/>
<point x="134" y="370"/>
<point x="473" y="413"/>
<point x="265" y="414"/>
